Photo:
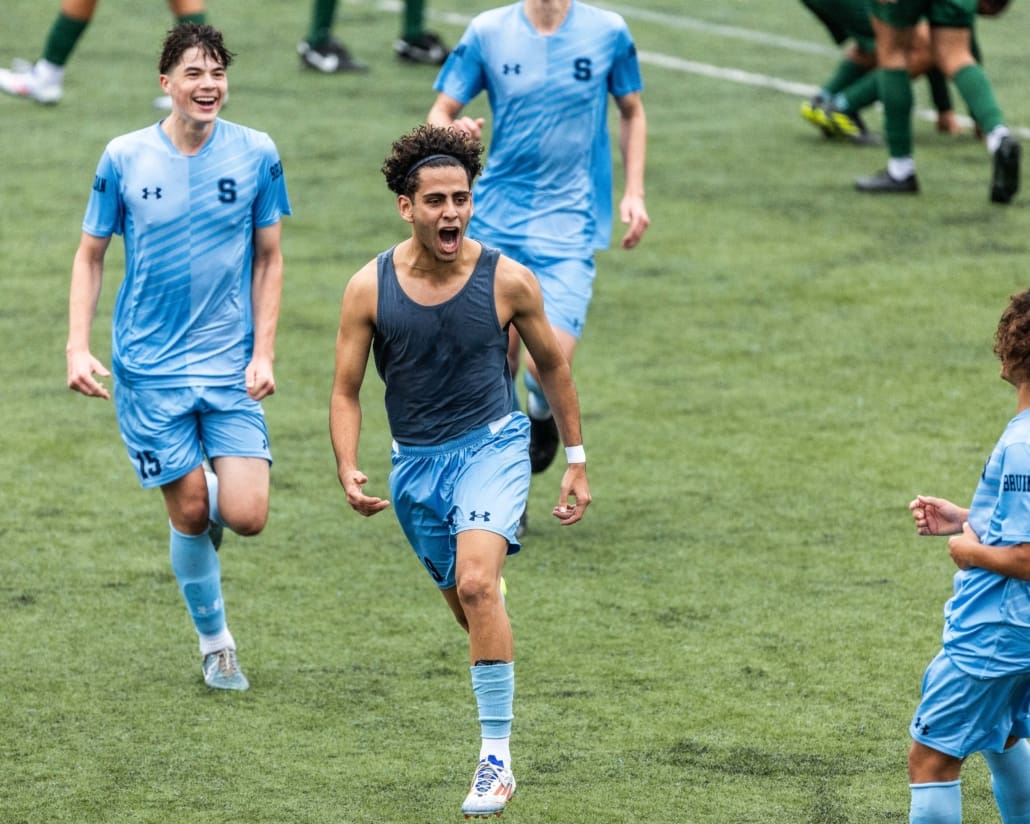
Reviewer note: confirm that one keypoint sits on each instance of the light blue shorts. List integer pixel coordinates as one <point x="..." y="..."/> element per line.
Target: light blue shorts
<point x="477" y="481"/>
<point x="168" y="432"/>
<point x="959" y="714"/>
<point x="567" y="285"/>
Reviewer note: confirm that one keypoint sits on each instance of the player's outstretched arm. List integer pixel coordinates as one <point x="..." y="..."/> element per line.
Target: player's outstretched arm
<point x="633" y="147"/>
<point x="87" y="278"/>
<point x="937" y="516"/>
<point x="446" y="112"/>
<point x="353" y="341"/>
<point x="522" y="291"/>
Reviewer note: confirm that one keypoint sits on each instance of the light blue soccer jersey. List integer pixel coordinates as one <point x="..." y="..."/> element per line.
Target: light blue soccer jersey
<point x="987" y="620"/>
<point x="547" y="185"/>
<point x="183" y="315"/>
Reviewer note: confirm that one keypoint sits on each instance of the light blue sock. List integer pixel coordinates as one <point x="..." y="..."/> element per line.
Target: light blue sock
<point x="536" y="402"/>
<point x="494" y="688"/>
<point x="198" y="571"/>
<point x="939" y="803"/>
<point x="1010" y="779"/>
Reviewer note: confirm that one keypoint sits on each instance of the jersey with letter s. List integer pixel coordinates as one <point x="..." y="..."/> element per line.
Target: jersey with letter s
<point x="183" y="314"/>
<point x="547" y="185"/>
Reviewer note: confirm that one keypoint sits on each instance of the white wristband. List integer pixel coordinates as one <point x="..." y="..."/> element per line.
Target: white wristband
<point x="575" y="454"/>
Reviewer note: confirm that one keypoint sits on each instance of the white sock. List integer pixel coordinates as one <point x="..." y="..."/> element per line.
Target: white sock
<point x="214" y="643"/>
<point x="901" y="167"/>
<point x="995" y="136"/>
<point x="498" y="748"/>
<point x="47" y="71"/>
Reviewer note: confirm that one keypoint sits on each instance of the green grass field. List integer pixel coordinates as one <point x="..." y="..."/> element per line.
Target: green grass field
<point x="735" y="633"/>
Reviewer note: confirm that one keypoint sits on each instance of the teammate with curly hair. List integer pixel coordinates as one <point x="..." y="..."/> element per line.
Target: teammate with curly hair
<point x="976" y="692"/>
<point x="435" y="311"/>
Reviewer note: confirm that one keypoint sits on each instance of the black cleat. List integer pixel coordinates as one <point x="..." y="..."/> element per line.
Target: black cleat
<point x="330" y="57"/>
<point x="427" y="49"/>
<point x="882" y="183"/>
<point x="543" y="443"/>
<point x="1005" y="175"/>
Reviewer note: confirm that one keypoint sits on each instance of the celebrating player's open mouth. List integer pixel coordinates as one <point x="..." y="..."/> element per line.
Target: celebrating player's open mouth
<point x="450" y="239"/>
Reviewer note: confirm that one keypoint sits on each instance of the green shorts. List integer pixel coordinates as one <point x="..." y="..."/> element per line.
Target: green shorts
<point x="903" y="14"/>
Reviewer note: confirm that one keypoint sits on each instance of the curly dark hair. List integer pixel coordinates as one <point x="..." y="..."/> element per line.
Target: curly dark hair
<point x="1012" y="339"/>
<point x="186" y="36"/>
<point x="410" y="152"/>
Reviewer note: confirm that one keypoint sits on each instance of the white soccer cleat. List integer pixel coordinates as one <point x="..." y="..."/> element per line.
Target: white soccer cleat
<point x="222" y="671"/>
<point x="493" y="786"/>
<point x="25" y="80"/>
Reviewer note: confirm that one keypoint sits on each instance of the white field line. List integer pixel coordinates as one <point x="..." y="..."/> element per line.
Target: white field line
<point x="679" y="64"/>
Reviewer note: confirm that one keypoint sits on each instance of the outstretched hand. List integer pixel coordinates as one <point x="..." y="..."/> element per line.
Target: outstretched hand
<point x="574" y="486"/>
<point x="82" y="366"/>
<point x="936" y="516"/>
<point x="361" y="503"/>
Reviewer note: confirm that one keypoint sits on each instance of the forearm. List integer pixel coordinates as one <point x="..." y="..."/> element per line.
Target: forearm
<point x="1010" y="561"/>
<point x="564" y="402"/>
<point x="87" y="277"/>
<point x="344" y="431"/>
<point x="633" y="148"/>
<point x="266" y="298"/>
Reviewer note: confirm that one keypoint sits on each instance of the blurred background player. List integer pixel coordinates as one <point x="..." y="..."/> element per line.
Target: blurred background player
<point x="976" y="692"/>
<point x="435" y="310"/>
<point x="43" y="80"/>
<point x="836" y="109"/>
<point x="545" y="197"/>
<point x="320" y="51"/>
<point x="193" y="333"/>
<point x="951" y="22"/>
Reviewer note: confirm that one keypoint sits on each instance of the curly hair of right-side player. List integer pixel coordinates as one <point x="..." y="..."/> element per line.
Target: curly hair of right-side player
<point x="423" y="142"/>
<point x="1012" y="338"/>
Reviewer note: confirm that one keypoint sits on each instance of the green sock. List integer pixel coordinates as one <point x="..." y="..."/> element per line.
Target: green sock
<point x="322" y="14"/>
<point x="61" y="40"/>
<point x="846" y="74"/>
<point x="414" y="18"/>
<point x="939" y="92"/>
<point x="976" y="90"/>
<point x="863" y="92"/>
<point x="896" y="94"/>
<point x="199" y="18"/>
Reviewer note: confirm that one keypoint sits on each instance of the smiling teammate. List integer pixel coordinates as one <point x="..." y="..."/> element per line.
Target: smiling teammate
<point x="199" y="202"/>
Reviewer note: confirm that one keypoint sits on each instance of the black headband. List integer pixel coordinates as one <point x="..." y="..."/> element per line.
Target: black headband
<point x="420" y="163"/>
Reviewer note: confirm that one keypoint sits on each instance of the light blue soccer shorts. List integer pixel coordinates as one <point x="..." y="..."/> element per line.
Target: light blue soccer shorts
<point x="168" y="432"/>
<point x="567" y="285"/>
<point x="959" y="714"/>
<point x="477" y="481"/>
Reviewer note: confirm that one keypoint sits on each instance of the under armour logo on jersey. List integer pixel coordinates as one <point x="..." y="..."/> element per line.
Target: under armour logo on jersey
<point x="516" y="69"/>
<point x="484" y="515"/>
<point x="156" y="193"/>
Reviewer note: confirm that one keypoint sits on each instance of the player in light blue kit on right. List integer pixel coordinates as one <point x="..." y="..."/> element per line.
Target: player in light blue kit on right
<point x="545" y="197"/>
<point x="976" y="692"/>
<point x="200" y="203"/>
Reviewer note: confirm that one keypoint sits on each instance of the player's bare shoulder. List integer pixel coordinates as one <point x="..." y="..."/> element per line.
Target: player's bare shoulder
<point x="513" y="281"/>
<point x="362" y="291"/>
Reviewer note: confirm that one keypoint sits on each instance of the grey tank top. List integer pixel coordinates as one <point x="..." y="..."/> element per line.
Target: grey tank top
<point x="445" y="366"/>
